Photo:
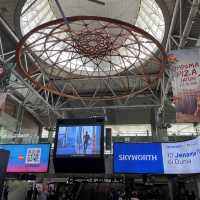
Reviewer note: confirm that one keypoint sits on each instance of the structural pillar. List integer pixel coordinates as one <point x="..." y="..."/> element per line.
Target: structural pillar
<point x="153" y="124"/>
<point x="50" y="135"/>
<point x="159" y="132"/>
<point x="20" y="114"/>
<point x="162" y="134"/>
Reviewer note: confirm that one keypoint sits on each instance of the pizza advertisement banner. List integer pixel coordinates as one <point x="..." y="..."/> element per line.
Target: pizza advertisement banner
<point x="185" y="77"/>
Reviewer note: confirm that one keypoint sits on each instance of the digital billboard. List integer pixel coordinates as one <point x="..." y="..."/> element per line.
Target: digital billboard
<point x="27" y="158"/>
<point x="81" y="140"/>
<point x="137" y="158"/>
<point x="157" y="158"/>
<point x="79" y="145"/>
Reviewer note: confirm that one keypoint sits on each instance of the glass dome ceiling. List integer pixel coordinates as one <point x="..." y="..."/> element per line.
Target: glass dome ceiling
<point x="150" y="17"/>
<point x="145" y="14"/>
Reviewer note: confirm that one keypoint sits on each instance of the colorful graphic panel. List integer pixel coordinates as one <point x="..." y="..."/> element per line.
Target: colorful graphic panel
<point x="28" y="158"/>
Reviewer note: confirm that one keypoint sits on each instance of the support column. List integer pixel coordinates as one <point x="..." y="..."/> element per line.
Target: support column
<point x="153" y="124"/>
<point x="20" y="115"/>
<point x="159" y="132"/>
<point x="50" y="135"/>
<point x="162" y="134"/>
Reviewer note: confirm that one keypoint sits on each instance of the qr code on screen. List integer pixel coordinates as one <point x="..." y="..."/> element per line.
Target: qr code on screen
<point x="33" y="155"/>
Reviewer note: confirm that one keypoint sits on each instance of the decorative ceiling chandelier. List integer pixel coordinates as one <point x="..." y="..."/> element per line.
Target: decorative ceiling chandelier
<point x="96" y="58"/>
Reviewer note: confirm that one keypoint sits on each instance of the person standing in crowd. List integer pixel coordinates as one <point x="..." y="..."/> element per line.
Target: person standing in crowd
<point x="5" y="193"/>
<point x="42" y="195"/>
<point x="134" y="196"/>
<point x="35" y="193"/>
<point x="62" y="196"/>
<point x="29" y="194"/>
<point x="191" y="196"/>
<point x="51" y="195"/>
<point x="110" y="195"/>
<point x="115" y="195"/>
<point x="122" y="195"/>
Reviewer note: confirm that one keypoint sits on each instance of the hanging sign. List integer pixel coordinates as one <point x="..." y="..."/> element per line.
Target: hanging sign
<point x="185" y="76"/>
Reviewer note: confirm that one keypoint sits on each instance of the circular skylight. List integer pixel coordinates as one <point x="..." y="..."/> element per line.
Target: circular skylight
<point x="145" y="14"/>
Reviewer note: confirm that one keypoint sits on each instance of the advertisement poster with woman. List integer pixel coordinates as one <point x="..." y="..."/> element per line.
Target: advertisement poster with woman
<point x="185" y="79"/>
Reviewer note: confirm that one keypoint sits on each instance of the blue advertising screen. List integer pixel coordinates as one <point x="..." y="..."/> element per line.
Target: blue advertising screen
<point x="138" y="158"/>
<point x="160" y="158"/>
<point x="27" y="158"/>
<point x="78" y="140"/>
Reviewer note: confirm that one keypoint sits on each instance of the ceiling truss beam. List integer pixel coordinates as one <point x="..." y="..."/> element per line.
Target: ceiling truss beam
<point x="16" y="39"/>
<point x="190" y="20"/>
<point x="184" y="32"/>
<point x="115" y="107"/>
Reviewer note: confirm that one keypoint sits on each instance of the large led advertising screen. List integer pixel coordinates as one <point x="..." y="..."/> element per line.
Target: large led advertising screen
<point x="79" y="145"/>
<point x="138" y="158"/>
<point x="27" y="158"/>
<point x="157" y="158"/>
<point x="80" y="140"/>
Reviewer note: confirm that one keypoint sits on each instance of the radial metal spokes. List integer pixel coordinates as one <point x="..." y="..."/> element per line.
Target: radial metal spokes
<point x="116" y="57"/>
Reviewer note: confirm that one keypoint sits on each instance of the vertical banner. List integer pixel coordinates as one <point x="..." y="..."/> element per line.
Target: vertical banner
<point x="185" y="74"/>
